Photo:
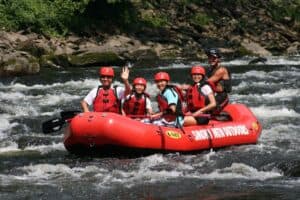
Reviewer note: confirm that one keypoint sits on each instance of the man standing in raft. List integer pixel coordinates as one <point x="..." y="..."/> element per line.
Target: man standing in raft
<point x="107" y="98"/>
<point x="137" y="104"/>
<point x="219" y="78"/>
<point x="170" y="102"/>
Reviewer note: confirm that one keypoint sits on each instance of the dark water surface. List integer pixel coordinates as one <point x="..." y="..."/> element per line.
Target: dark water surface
<point x="34" y="165"/>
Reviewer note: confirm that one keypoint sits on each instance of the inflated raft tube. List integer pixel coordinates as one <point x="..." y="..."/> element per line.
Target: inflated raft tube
<point x="95" y="130"/>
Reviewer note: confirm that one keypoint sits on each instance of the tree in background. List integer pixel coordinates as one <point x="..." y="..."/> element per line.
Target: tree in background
<point x="45" y="16"/>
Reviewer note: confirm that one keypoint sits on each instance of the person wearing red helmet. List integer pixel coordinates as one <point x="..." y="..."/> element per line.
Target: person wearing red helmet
<point x="200" y="97"/>
<point x="138" y="102"/>
<point x="169" y="101"/>
<point x="107" y="98"/>
<point x="219" y="78"/>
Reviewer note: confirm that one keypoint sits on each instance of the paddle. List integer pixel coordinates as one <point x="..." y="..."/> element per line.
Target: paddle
<point x="56" y="124"/>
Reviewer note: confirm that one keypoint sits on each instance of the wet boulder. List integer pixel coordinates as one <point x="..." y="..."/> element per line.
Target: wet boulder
<point x="94" y="58"/>
<point x="18" y="63"/>
<point x="255" y="48"/>
<point x="294" y="49"/>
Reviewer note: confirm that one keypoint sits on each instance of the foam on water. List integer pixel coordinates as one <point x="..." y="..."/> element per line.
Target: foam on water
<point x="174" y="66"/>
<point x="50" y="174"/>
<point x="8" y="146"/>
<point x="147" y="172"/>
<point x="26" y="109"/>
<point x="279" y="132"/>
<point x="50" y="99"/>
<point x="44" y="149"/>
<point x="271" y="60"/>
<point x="5" y="125"/>
<point x="258" y="84"/>
<point x="86" y="83"/>
<point x="245" y="84"/>
<point x="258" y="74"/>
<point x="55" y="111"/>
<point x="271" y="112"/>
<point x="47" y="171"/>
<point x="241" y="171"/>
<point x="282" y="94"/>
<point x="13" y="96"/>
<point x="284" y="73"/>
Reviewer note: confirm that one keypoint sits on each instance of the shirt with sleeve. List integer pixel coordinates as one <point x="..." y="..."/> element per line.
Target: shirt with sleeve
<point x="172" y="98"/>
<point x="206" y="90"/>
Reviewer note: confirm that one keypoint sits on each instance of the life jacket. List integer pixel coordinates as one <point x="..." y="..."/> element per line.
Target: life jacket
<point x="226" y="84"/>
<point x="163" y="103"/>
<point x="106" y="100"/>
<point x="195" y="98"/>
<point x="222" y="100"/>
<point x="135" y="105"/>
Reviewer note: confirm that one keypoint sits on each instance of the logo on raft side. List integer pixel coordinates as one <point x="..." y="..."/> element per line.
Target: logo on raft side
<point x="226" y="131"/>
<point x="173" y="134"/>
<point x="255" y="126"/>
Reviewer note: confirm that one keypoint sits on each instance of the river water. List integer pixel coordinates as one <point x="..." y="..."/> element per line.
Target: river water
<point x="34" y="165"/>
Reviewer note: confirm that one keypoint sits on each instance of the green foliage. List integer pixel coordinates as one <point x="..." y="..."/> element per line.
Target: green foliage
<point x="201" y="19"/>
<point x="285" y="8"/>
<point x="59" y="17"/>
<point x="154" y="20"/>
<point x="46" y="16"/>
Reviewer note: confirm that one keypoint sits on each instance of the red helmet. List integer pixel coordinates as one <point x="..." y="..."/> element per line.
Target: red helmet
<point x="106" y="71"/>
<point x="140" y="81"/>
<point x="162" y="76"/>
<point x="198" y="70"/>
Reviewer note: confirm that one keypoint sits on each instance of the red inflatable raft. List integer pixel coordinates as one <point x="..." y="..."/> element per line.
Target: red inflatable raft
<point x="97" y="130"/>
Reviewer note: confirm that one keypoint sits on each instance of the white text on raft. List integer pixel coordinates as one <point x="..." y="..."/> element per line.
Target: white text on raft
<point x="226" y="131"/>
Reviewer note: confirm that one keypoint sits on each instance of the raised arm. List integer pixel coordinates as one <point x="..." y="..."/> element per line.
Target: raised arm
<point x="124" y="77"/>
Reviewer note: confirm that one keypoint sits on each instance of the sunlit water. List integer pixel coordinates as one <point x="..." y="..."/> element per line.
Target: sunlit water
<point x="34" y="165"/>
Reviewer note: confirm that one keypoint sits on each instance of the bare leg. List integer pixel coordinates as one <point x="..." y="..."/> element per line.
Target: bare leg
<point x="189" y="121"/>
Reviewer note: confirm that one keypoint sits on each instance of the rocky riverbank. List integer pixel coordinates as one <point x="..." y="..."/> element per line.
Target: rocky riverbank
<point x="174" y="31"/>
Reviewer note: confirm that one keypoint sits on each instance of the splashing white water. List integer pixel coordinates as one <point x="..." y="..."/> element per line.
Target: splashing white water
<point x="271" y="60"/>
<point x="147" y="172"/>
<point x="44" y="149"/>
<point x="18" y="87"/>
<point x="241" y="171"/>
<point x="5" y="126"/>
<point x="271" y="112"/>
<point x="10" y="146"/>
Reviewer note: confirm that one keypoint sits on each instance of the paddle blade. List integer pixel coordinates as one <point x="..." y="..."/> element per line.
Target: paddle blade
<point x="52" y="125"/>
